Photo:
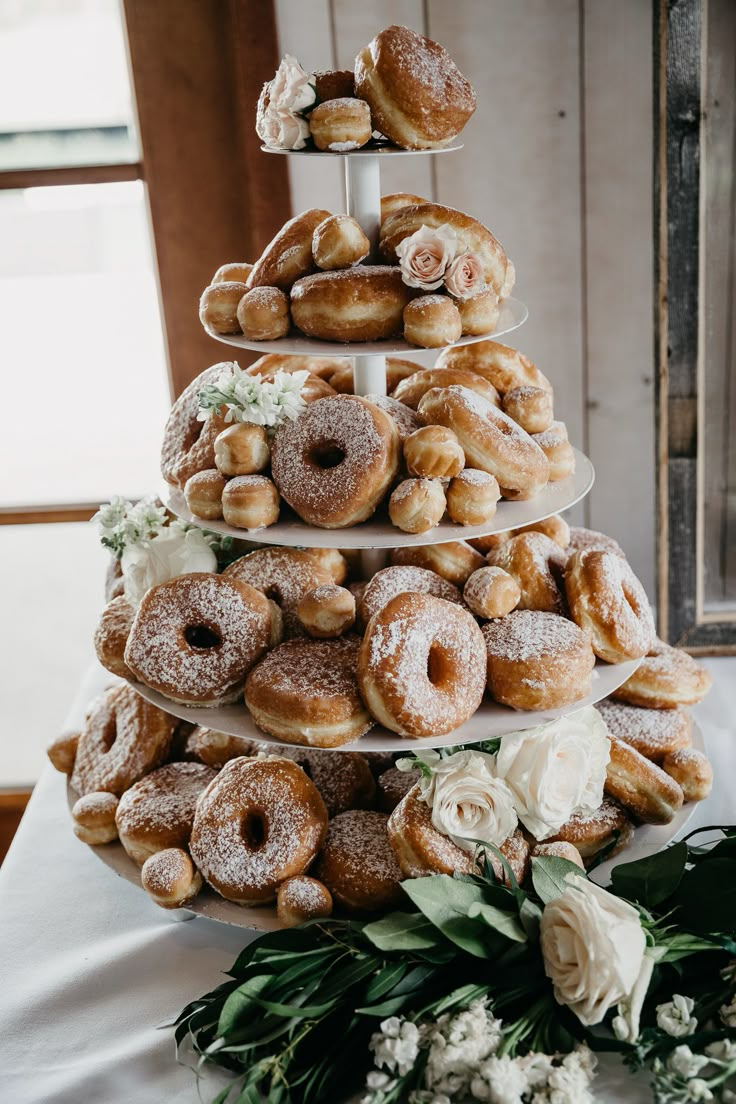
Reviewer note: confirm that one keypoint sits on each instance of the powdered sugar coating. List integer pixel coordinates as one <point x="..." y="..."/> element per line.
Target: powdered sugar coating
<point x="591" y="538"/>
<point x="491" y="592"/>
<point x="390" y="581"/>
<point x="592" y="832"/>
<point x="284" y="575"/>
<point x="609" y="603"/>
<point x="302" y="898"/>
<point x="189" y="445"/>
<point x="357" y="863"/>
<point x="654" y="733"/>
<point x="530" y="634"/>
<point x="111" y="635"/>
<point x="665" y="678"/>
<point x="344" y="779"/>
<point x="158" y="811"/>
<point x="95" y="807"/>
<point x="404" y="417"/>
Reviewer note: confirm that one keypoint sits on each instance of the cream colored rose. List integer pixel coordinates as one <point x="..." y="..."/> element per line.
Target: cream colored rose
<point x="279" y="120"/>
<point x="593" y="947"/>
<point x="555" y="770"/>
<point x="172" y="552"/>
<point x="465" y="277"/>
<point x="468" y="802"/>
<point x="426" y="255"/>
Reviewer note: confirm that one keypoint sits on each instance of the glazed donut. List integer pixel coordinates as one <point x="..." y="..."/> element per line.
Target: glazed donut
<point x="357" y="863"/>
<point x="530" y="407"/>
<point x="263" y="314"/>
<point x="93" y="817"/>
<point x="62" y="752"/>
<point x="417" y="505"/>
<point x="654" y="733"/>
<point x="558" y="450"/>
<point x="123" y="738"/>
<point x="403" y="417"/>
<point x="479" y="314"/>
<point x="642" y="787"/>
<point x="589" y="538"/>
<point x="396" y="370"/>
<point x="492" y="541"/>
<point x="170" y="878"/>
<point x="418" y="97"/>
<point x="339" y="242"/>
<point x="111" y="636"/>
<point x="195" y="637"/>
<point x="301" y="898"/>
<point x="332" y="561"/>
<point x="215" y="749"/>
<point x="433" y="452"/>
<point x="270" y="363"/>
<point x="344" y="779"/>
<point x="236" y="272"/>
<point x="453" y="560"/>
<point x="188" y="444"/>
<point x="491" y="592"/>
<point x="363" y="303"/>
<point x="158" y="811"/>
<point x="558" y="850"/>
<point x="692" y="771"/>
<point x="537" y="563"/>
<point x="258" y="823"/>
<point x="340" y="125"/>
<point x="305" y="692"/>
<point x="284" y="575"/>
<point x="250" y="502"/>
<point x="218" y="306"/>
<point x="596" y="831"/>
<point x="608" y="602"/>
<point x="472" y="497"/>
<point x="288" y="256"/>
<point x="420" y="666"/>
<point x="203" y="493"/>
<point x="432" y="321"/>
<point x="334" y="463"/>
<point x="554" y="527"/>
<point x="412" y="390"/>
<point x="242" y="449"/>
<point x="472" y="236"/>
<point x="665" y="678"/>
<point x="396" y="200"/>
<point x="393" y="786"/>
<point x="390" y="581"/>
<point x="490" y="440"/>
<point x="334" y="84"/>
<point x="537" y="660"/>
<point x="504" y="367"/>
<point x="327" y="611"/>
<point x="113" y="579"/>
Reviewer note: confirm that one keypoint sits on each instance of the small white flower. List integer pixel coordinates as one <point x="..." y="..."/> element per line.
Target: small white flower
<point x="377" y="1080"/>
<point x="111" y="513"/>
<point x="698" y="1090"/>
<point x="396" y="1046"/>
<point x="724" y="1050"/>
<point x="727" y="1012"/>
<point x="500" y="1081"/>
<point x="683" y="1061"/>
<point x="675" y="1017"/>
<point x="459" y="1045"/>
<point x="728" y="1096"/>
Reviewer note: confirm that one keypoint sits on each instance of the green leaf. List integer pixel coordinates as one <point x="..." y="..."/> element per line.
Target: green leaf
<point x="651" y="880"/>
<point x="706" y="898"/>
<point x="530" y="915"/>
<point x="503" y="922"/>
<point x="446" y="903"/>
<point x="401" y="931"/>
<point x="548" y="876"/>
<point x="385" y="980"/>
<point x="239" y="1003"/>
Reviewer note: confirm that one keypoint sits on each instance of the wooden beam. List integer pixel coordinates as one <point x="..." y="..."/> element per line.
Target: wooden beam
<point x="46" y="515"/>
<point x="71" y="174"/>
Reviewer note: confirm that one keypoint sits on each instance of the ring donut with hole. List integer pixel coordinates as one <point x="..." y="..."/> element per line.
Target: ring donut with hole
<point x="189" y="445"/>
<point x="609" y="604"/>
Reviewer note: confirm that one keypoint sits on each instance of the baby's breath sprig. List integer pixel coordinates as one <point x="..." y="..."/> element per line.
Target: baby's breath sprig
<point x="122" y="523"/>
<point x="247" y="398"/>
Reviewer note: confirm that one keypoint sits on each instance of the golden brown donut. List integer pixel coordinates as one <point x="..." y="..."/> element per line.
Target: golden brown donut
<point x="421" y="667"/>
<point x="642" y="787"/>
<point x="327" y="611"/>
<point x="472" y="497"/>
<point x="609" y="603"/>
<point x="235" y="272"/>
<point x="665" y="678"/>
<point x="418" y="97"/>
<point x="654" y="733"/>
<point x="284" y="575"/>
<point x="433" y="452"/>
<point x="158" y="811"/>
<point x="537" y="564"/>
<point x="393" y="786"/>
<point x="195" y="637"/>
<point x="203" y="493"/>
<point x="218" y="306"/>
<point x="123" y="738"/>
<point x="490" y="440"/>
<point x="62" y="752"/>
<point x="390" y="581"/>
<point x="432" y="321"/>
<point x="343" y="778"/>
<point x="263" y="314"/>
<point x="537" y="660"/>
<point x="340" y="125"/>
<point x="554" y="527"/>
<point x="339" y="242"/>
<point x="301" y="898"/>
<point x="453" y="560"/>
<point x="363" y="303"/>
<point x="334" y="463"/>
<point x="558" y="450"/>
<point x="412" y="390"/>
<point x="242" y="449"/>
<point x="396" y="200"/>
<point x="270" y="363"/>
<point x="491" y="542"/>
<point x="288" y="256"/>
<point x="93" y="817"/>
<point x="250" y="502"/>
<point x="333" y="84"/>
<point x="558" y="850"/>
<point x="170" y="878"/>
<point x="305" y="692"/>
<point x="591" y="538"/>
<point x="332" y="561"/>
<point x="215" y="749"/>
<point x="417" y="505"/>
<point x="479" y="314"/>
<point x="403" y="417"/>
<point x="491" y="592"/>
<point x="188" y="444"/>
<point x="357" y="863"/>
<point x="111" y="636"/>
<point x="531" y="408"/>
<point x="504" y="367"/>
<point x="590" y="834"/>
<point x="692" y="771"/>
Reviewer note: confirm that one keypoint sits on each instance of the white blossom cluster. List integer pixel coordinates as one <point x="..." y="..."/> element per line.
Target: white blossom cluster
<point x="123" y="524"/>
<point x="252" y="399"/>
<point x="687" y="1077"/>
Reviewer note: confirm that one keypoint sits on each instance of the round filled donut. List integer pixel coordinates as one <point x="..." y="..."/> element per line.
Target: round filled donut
<point x="480" y="313"/>
<point x="433" y="452"/>
<point x="666" y="678"/>
<point x="258" y="823"/>
<point x="203" y="494"/>
<point x="237" y="271"/>
<point x="344" y="779"/>
<point x="390" y="581"/>
<point x="250" y="502"/>
<point x="358" y="864"/>
<point x="170" y="878"/>
<point x="284" y="575"/>
<point x="62" y="751"/>
<point x="288" y="256"/>
<point x="327" y="611"/>
<point x="530" y="407"/>
<point x="218" y="306"/>
<point x="432" y="321"/>
<point x="472" y="497"/>
<point x="363" y="303"/>
<point x="504" y="367"/>
<point x="421" y="668"/>
<point x="340" y="125"/>
<point x="491" y="592"/>
<point x="417" y="505"/>
<point x="158" y="811"/>
<point x="111" y="636"/>
<point x="593" y="832"/>
<point x="609" y="603"/>
<point x="242" y="449"/>
<point x="654" y="733"/>
<point x="339" y="242"/>
<point x="412" y="390"/>
<point x="215" y="749"/>
<point x="537" y="564"/>
<point x="93" y="818"/>
<point x="300" y="899"/>
<point x="263" y="314"/>
<point x="188" y="444"/>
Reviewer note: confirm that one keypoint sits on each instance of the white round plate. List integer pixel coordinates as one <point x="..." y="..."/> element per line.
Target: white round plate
<point x="648" y="840"/>
<point x="490" y="721"/>
<point x="512" y="315"/>
<point x="371" y="150"/>
<point x="380" y="533"/>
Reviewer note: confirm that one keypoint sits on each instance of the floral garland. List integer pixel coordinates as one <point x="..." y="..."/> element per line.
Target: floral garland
<point x="247" y="398"/>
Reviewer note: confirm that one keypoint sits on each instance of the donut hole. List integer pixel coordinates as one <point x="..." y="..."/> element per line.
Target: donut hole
<point x="109" y="735"/>
<point x="327" y="455"/>
<point x="253" y="829"/>
<point x="439" y="669"/>
<point x="202" y="637"/>
<point x="631" y="600"/>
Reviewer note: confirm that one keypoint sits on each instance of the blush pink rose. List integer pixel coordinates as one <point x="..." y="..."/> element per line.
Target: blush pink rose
<point x="426" y="255"/>
<point x="279" y="122"/>
<point x="465" y="277"/>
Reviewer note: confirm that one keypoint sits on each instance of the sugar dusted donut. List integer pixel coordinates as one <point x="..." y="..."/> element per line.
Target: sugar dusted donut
<point x="270" y="363"/>
<point x="334" y="463"/>
<point x="590" y="834"/>
<point x="417" y="505"/>
<point x="263" y="314"/>
<point x="558" y="450"/>
<point x="62" y="752"/>
<point x="537" y="660"/>
<point x="530" y="407"/>
<point x="340" y="125"/>
<point x="111" y="636"/>
<point x="491" y="592"/>
<point x="158" y="811"/>
<point x="558" y="850"/>
<point x="432" y="321"/>
<point x="609" y="603"/>
<point x="301" y="898"/>
<point x="692" y="771"/>
<point x="235" y="272"/>
<point x="472" y="497"/>
<point x="412" y="390"/>
<point x="215" y="749"/>
<point x="344" y="778"/>
<point x="643" y="788"/>
<point x="403" y="417"/>
<point x="393" y="786"/>
<point x="654" y="733"/>
<point x="93" y="817"/>
<point x="188" y="444"/>
<point x="203" y="493"/>
<point x="362" y="303"/>
<point x="306" y="692"/>
<point x="665" y="678"/>
<point x="453" y="560"/>
<point x="480" y="313"/>
<point x="339" y="242"/>
<point x="242" y="449"/>
<point x="288" y="256"/>
<point x="357" y="863"/>
<point x="334" y="84"/>
<point x="170" y="878"/>
<point x="332" y="561"/>
<point x="537" y="564"/>
<point x="590" y="538"/>
<point x="504" y="367"/>
<point x="554" y="527"/>
<point x="258" y="823"/>
<point x="390" y="581"/>
<point x="250" y="502"/>
<point x="195" y="637"/>
<point x="327" y="611"/>
<point x="218" y="306"/>
<point x="421" y="668"/>
<point x="433" y="452"/>
<point x="284" y="575"/>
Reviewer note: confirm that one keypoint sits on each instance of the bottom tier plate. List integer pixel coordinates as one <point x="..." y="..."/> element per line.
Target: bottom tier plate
<point x="648" y="839"/>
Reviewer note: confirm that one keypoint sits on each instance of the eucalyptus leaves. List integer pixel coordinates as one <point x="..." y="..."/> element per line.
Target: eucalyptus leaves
<point x="246" y="398"/>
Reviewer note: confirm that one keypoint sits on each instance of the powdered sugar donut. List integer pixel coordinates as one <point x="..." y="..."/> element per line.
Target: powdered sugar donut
<point x="390" y="581"/>
<point x="433" y="452"/>
<point x="158" y="811"/>
<point x="491" y="592"/>
<point x="357" y="863"/>
<point x="665" y="678"/>
<point x="170" y="878"/>
<point x="654" y="733"/>
<point x="609" y="603"/>
<point x="537" y="563"/>
<point x="403" y="416"/>
<point x="590" y="834"/>
<point x="472" y="497"/>
<point x="453" y="560"/>
<point x="284" y="575"/>
<point x="189" y="445"/>
<point x="111" y="636"/>
<point x="301" y="898"/>
<point x="344" y="778"/>
<point x="93" y="818"/>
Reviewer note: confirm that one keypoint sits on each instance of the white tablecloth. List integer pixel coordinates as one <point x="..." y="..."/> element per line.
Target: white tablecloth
<point x="91" y="969"/>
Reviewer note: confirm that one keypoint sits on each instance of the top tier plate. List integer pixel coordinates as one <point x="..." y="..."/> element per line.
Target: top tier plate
<point x="371" y="150"/>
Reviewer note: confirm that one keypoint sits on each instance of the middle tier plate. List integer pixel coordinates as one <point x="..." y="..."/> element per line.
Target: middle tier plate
<point x="490" y="721"/>
<point x="378" y="532"/>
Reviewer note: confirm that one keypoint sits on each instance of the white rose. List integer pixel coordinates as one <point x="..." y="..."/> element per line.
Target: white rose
<point x="425" y="256"/>
<point x="468" y="802"/>
<point x="556" y="770"/>
<point x="279" y="121"/>
<point x="593" y="947"/>
<point x="172" y="552"/>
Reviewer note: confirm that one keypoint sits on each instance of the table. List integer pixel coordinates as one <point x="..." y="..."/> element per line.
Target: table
<point x="92" y="970"/>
